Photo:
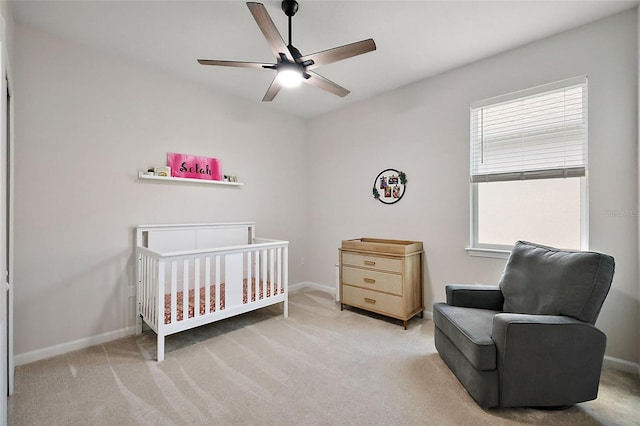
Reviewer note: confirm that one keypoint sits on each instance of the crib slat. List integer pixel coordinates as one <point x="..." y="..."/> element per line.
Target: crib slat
<point x="144" y="277"/>
<point x="217" y="282"/>
<point x="248" y="275"/>
<point x="159" y="291"/>
<point x="279" y="270"/>
<point x="160" y="296"/>
<point x="152" y="290"/>
<point x="185" y="289"/>
<point x="196" y="287"/>
<point x="154" y="270"/>
<point x="285" y="280"/>
<point x="263" y="277"/>
<point x="142" y="293"/>
<point x="151" y="275"/>
<point x="174" y="291"/>
<point x="256" y="273"/>
<point x="207" y="283"/>
<point x="155" y="292"/>
<point x="272" y="271"/>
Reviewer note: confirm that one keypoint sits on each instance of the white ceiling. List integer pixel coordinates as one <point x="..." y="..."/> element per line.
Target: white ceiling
<point x="415" y="39"/>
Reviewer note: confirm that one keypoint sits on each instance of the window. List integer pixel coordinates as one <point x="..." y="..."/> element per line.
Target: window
<point x="529" y="166"/>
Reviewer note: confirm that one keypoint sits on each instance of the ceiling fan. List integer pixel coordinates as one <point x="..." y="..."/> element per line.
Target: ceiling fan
<point x="291" y="66"/>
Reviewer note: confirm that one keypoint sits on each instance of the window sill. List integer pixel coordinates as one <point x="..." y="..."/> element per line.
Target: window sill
<point x="487" y="252"/>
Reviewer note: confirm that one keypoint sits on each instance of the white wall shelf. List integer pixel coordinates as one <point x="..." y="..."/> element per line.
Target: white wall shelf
<point x="141" y="175"/>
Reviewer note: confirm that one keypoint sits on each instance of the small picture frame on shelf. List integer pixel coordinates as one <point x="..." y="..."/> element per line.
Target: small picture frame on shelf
<point x="164" y="171"/>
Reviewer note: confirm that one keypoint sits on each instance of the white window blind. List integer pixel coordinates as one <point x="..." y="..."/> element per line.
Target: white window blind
<point x="533" y="134"/>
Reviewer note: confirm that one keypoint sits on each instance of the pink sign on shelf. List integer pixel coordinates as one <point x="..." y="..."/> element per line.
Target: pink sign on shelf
<point x="194" y="167"/>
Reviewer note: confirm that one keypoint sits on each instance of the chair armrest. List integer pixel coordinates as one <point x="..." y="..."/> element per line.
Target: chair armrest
<point x="475" y="296"/>
<point x="547" y="360"/>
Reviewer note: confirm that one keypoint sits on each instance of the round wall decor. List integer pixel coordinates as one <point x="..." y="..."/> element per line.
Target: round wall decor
<point x="389" y="186"/>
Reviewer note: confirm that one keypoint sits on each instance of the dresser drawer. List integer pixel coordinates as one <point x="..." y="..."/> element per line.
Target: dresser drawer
<point x="372" y="301"/>
<point x="374" y="262"/>
<point x="373" y="280"/>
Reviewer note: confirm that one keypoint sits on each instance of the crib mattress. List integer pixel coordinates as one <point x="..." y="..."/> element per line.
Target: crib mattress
<point x="212" y="292"/>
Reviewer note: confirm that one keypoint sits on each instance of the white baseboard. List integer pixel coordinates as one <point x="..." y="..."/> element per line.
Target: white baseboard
<point x="63" y="348"/>
<point x="309" y="284"/>
<point x="621" y="365"/>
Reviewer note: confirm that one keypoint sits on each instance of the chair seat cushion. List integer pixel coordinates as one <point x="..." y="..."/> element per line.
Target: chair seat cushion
<point x="469" y="329"/>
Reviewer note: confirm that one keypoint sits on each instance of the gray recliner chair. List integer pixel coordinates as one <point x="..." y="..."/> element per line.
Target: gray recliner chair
<point x="531" y="340"/>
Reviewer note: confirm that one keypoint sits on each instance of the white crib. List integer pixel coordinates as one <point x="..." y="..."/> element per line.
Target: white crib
<point x="222" y="268"/>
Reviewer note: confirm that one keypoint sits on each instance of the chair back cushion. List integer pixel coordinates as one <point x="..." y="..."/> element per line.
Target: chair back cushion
<point x="543" y="280"/>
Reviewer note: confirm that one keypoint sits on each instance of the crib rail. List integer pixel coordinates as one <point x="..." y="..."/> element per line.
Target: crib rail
<point x="199" y="286"/>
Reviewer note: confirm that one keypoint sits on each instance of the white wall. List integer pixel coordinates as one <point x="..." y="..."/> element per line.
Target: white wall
<point x="423" y="130"/>
<point x="85" y="123"/>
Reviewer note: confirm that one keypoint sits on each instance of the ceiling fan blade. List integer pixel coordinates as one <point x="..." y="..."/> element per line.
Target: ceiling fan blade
<point x="339" y="53"/>
<point x="269" y="30"/>
<point x="240" y="64"/>
<point x="273" y="90"/>
<point x="319" y="81"/>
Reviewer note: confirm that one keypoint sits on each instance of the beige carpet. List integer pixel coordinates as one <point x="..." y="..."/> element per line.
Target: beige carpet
<point x="320" y="366"/>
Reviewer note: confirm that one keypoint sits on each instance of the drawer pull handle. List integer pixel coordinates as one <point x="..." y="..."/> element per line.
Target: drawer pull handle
<point x="370" y="263"/>
<point x="369" y="281"/>
<point x="372" y="301"/>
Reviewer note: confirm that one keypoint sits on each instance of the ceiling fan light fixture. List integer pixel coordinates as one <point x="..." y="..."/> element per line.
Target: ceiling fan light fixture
<point x="290" y="77"/>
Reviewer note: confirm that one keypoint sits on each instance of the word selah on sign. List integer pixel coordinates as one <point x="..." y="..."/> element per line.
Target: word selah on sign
<point x="194" y="167"/>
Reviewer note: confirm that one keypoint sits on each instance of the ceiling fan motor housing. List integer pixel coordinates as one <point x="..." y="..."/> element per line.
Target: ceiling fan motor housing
<point x="289" y="7"/>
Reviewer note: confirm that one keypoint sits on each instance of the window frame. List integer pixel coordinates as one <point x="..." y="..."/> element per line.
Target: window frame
<point x="476" y="248"/>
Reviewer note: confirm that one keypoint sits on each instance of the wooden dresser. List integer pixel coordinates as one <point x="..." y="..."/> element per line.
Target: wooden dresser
<point x="382" y="276"/>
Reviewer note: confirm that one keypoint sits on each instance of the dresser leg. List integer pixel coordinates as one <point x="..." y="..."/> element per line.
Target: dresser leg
<point x="341" y="306"/>
<point x="405" y="324"/>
